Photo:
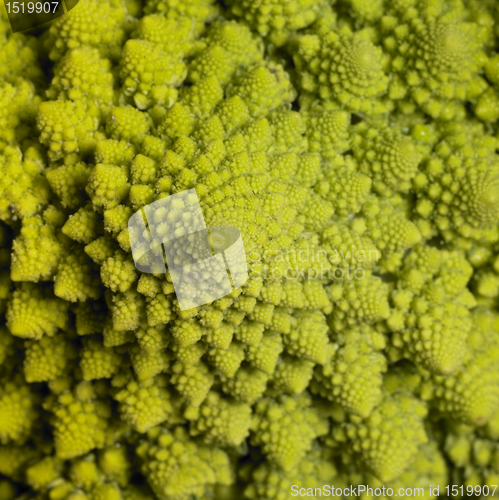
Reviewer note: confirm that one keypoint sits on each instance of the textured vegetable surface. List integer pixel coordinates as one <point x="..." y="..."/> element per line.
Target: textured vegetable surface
<point x="354" y="146"/>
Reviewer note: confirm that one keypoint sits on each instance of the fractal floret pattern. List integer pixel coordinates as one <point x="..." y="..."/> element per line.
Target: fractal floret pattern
<point x="350" y="147"/>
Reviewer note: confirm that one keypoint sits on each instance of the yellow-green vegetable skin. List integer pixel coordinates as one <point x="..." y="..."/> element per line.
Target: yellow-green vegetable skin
<point x="353" y="145"/>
